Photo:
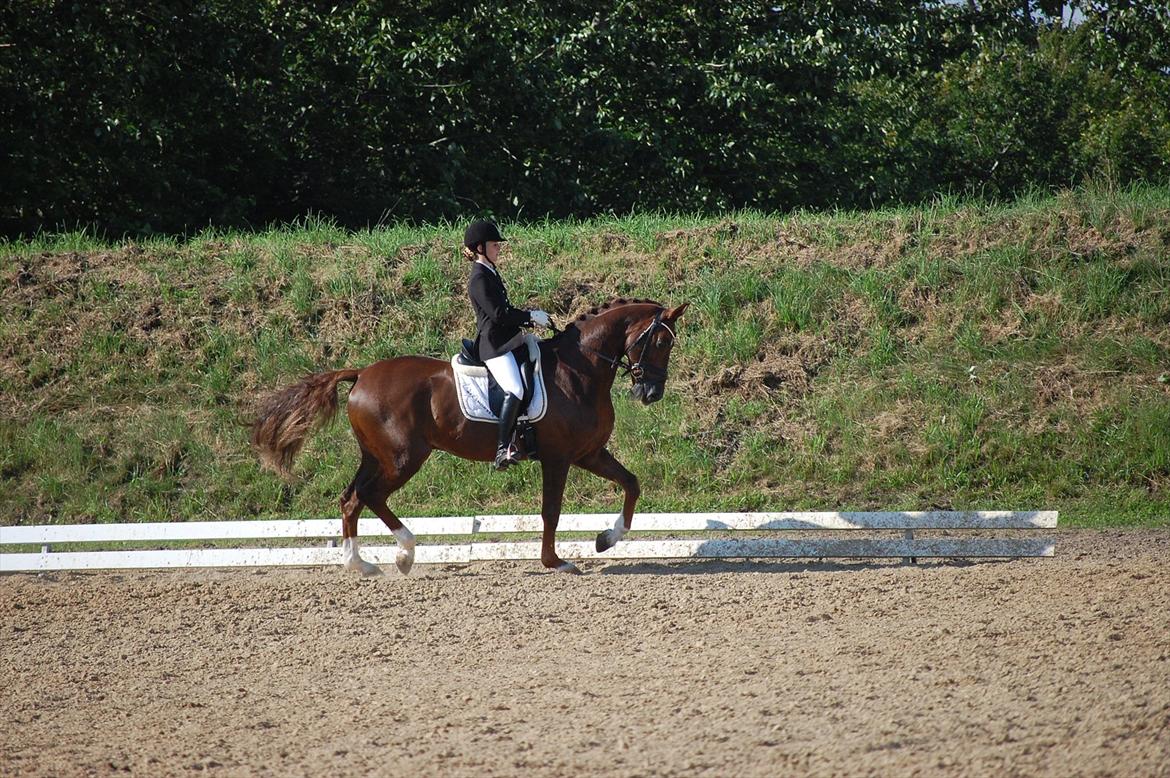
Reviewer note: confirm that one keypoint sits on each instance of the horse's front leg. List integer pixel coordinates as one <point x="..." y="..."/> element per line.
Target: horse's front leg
<point x="603" y="463"/>
<point x="554" y="475"/>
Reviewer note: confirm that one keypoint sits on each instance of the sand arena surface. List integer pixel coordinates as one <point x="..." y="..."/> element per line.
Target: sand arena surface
<point x="1033" y="667"/>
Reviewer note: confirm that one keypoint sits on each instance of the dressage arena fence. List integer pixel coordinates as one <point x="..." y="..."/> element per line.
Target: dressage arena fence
<point x="821" y="535"/>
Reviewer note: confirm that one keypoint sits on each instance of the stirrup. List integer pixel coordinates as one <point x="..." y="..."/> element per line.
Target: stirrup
<point x="506" y="457"/>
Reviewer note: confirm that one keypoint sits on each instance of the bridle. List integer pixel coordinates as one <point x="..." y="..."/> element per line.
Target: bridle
<point x="636" y="369"/>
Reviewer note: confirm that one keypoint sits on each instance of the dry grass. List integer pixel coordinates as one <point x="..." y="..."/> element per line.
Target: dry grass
<point x="966" y="355"/>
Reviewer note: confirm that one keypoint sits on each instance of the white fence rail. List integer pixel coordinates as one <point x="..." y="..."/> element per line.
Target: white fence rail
<point x="845" y="544"/>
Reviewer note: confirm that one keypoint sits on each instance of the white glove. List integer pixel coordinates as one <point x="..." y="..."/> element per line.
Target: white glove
<point x="539" y="318"/>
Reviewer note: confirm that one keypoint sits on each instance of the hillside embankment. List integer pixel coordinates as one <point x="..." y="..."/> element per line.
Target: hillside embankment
<point x="956" y="356"/>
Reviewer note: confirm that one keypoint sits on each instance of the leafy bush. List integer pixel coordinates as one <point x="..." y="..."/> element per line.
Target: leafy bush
<point x="174" y="115"/>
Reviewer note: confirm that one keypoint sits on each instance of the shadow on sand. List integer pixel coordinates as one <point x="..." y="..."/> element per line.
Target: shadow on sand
<point x="723" y="566"/>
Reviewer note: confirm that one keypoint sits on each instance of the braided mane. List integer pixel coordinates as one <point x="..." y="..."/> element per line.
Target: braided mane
<point x="615" y="303"/>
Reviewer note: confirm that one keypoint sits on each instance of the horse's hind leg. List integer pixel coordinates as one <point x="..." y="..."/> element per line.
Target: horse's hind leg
<point x="351" y="508"/>
<point x="375" y="494"/>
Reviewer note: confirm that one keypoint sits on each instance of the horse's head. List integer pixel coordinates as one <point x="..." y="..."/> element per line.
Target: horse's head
<point x="635" y="336"/>
<point x="649" y="341"/>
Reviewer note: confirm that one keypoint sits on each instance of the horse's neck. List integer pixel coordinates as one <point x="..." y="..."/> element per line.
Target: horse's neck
<point x="603" y="338"/>
<point x="581" y="355"/>
<point x="608" y="340"/>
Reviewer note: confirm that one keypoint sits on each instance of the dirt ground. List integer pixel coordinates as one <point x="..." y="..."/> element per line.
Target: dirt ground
<point x="1034" y="667"/>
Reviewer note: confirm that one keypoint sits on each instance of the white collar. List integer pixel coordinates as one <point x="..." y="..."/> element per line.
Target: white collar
<point x="488" y="265"/>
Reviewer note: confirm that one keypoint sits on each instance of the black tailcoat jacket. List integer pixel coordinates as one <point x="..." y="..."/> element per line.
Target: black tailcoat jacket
<point x="497" y="323"/>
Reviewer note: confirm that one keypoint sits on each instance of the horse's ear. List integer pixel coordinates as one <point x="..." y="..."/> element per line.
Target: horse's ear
<point x="674" y="313"/>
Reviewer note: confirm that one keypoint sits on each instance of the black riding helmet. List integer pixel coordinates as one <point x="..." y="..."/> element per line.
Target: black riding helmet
<point x="481" y="232"/>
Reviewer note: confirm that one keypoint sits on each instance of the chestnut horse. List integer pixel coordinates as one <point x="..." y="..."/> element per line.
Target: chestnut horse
<point x="404" y="408"/>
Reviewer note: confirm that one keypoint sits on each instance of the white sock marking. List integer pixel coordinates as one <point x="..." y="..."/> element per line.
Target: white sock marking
<point x="351" y="557"/>
<point x="405" y="538"/>
<point x="619" y="529"/>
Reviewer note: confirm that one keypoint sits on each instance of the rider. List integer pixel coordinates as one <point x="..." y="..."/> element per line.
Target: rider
<point x="497" y="328"/>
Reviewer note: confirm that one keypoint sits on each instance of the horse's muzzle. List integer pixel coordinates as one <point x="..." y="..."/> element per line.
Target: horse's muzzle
<point x="648" y="393"/>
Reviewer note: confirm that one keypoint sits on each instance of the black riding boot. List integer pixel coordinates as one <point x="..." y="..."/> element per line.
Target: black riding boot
<point x="505" y="452"/>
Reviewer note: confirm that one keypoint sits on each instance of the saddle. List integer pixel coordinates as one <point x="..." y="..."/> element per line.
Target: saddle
<point x="480" y="397"/>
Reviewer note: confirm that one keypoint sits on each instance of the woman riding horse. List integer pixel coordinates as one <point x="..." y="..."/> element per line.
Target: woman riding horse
<point x="498" y="331"/>
<point x="404" y="408"/>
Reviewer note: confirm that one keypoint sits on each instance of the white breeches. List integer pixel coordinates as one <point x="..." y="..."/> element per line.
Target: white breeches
<point x="507" y="374"/>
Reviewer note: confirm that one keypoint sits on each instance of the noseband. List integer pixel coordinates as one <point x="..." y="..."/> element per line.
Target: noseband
<point x="636" y="369"/>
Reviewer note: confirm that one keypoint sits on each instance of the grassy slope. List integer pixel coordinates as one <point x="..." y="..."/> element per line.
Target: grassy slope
<point x="962" y="356"/>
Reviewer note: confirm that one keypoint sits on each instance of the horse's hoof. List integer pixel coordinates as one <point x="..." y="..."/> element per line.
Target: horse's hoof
<point x="404" y="562"/>
<point x="605" y="541"/>
<point x="568" y="567"/>
<point x="369" y="570"/>
<point x="362" y="568"/>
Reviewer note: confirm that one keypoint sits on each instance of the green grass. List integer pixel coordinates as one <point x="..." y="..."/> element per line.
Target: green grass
<point x="963" y="354"/>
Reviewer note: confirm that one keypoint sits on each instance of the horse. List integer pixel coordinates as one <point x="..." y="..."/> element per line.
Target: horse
<point x="401" y="409"/>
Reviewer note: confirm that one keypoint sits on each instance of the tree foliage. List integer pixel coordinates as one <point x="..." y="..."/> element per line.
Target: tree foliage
<point x="174" y="114"/>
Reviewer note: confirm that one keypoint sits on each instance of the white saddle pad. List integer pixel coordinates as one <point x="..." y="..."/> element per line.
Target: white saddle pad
<point x="471" y="386"/>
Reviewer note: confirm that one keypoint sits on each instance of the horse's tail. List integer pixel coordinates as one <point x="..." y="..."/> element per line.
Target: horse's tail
<point x="287" y="418"/>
